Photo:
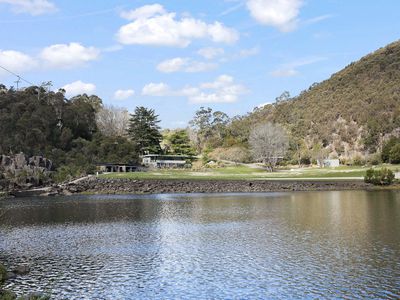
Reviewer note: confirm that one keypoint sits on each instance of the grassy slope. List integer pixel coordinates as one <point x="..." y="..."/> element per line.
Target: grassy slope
<point x="244" y="172"/>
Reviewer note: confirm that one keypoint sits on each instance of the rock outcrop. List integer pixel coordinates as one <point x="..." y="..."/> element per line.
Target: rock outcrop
<point x="21" y="172"/>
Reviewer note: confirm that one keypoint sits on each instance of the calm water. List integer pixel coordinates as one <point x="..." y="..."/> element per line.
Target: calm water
<point x="242" y="246"/>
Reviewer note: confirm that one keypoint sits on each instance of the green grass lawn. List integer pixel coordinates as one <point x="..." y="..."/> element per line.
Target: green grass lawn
<point x="245" y="172"/>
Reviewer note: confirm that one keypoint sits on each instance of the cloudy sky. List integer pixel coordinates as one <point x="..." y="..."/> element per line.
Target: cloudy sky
<point x="177" y="55"/>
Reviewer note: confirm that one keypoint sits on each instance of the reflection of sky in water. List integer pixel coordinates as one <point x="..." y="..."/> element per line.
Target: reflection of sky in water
<point x="301" y="245"/>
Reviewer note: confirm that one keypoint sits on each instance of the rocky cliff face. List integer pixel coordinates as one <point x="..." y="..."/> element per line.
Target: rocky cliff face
<point x="19" y="171"/>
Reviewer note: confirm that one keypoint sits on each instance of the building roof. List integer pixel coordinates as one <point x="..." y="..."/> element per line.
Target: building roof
<point x="112" y="164"/>
<point x="167" y="155"/>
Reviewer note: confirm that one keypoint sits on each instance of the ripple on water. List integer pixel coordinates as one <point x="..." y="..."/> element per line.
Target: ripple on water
<point x="294" y="245"/>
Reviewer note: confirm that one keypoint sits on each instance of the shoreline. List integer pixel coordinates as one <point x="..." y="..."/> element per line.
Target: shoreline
<point x="170" y="186"/>
<point x="109" y="186"/>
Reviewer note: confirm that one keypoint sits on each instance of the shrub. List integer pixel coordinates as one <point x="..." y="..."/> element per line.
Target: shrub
<point x="358" y="161"/>
<point x="374" y="159"/>
<point x="387" y="147"/>
<point x="3" y="274"/>
<point x="394" y="154"/>
<point x="7" y="295"/>
<point x="305" y="160"/>
<point x="379" y="177"/>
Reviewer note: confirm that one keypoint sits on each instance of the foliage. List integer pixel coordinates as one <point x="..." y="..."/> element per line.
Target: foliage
<point x="112" y="121"/>
<point x="179" y="143"/>
<point x="383" y="176"/>
<point x="395" y="154"/>
<point x="37" y="125"/>
<point x="144" y="130"/>
<point x="39" y="122"/>
<point x="387" y="146"/>
<point x="350" y="112"/>
<point x="235" y="154"/>
<point x="3" y="274"/>
<point x="268" y="143"/>
<point x="84" y="155"/>
<point x="210" y="128"/>
<point x="374" y="159"/>
<point x="7" y="295"/>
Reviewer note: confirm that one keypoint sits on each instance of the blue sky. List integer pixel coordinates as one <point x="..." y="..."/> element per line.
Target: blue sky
<point x="175" y="56"/>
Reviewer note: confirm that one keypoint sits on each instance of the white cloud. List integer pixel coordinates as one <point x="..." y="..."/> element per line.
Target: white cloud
<point x="290" y="69"/>
<point x="278" y="13"/>
<point x="210" y="52"/>
<point x="284" y="73"/>
<point x="79" y="87"/>
<point x="317" y="19"/>
<point x="249" y="52"/>
<point x="152" y="25"/>
<point x="123" y="94"/>
<point x="32" y="7"/>
<point x="187" y="65"/>
<point x="156" y="89"/>
<point x="16" y="61"/>
<point x="68" y="55"/>
<point x="144" y="12"/>
<point x="222" y="90"/>
<point x="171" y="65"/>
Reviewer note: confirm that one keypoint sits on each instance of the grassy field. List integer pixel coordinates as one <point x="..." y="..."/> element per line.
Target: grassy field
<point x="246" y="172"/>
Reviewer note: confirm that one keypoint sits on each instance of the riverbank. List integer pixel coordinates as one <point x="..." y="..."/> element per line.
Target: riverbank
<point x="96" y="185"/>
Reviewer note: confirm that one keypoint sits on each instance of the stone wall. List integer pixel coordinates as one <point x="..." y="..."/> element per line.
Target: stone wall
<point x="19" y="171"/>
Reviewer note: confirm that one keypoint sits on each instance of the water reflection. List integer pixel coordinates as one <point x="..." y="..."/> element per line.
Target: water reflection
<point x="300" y="245"/>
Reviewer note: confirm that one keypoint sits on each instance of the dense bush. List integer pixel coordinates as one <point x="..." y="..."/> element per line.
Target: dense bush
<point x="379" y="177"/>
<point x="394" y="154"/>
<point x="3" y="274"/>
<point x="7" y="295"/>
<point x="62" y="130"/>
<point x="374" y="159"/>
<point x="358" y="161"/>
<point x="387" y="147"/>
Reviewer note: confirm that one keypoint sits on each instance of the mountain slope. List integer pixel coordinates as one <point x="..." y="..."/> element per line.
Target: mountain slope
<point x="352" y="112"/>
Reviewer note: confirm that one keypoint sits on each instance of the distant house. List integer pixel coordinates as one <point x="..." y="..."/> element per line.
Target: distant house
<point x="331" y="163"/>
<point x="111" y="168"/>
<point x="166" y="161"/>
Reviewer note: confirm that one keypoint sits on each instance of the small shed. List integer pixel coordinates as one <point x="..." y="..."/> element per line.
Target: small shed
<point x="331" y="163"/>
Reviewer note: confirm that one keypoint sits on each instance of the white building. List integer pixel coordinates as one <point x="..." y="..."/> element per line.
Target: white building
<point x="166" y="161"/>
<point x="331" y="163"/>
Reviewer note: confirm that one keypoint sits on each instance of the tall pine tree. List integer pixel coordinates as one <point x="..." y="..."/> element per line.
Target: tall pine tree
<point x="144" y="130"/>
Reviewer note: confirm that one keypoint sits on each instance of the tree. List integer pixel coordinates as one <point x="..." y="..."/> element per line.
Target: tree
<point x="144" y="130"/>
<point x="112" y="121"/>
<point x="285" y="96"/>
<point x="94" y="101"/>
<point x="210" y="128"/>
<point x="319" y="153"/>
<point x="387" y="147"/>
<point x="179" y="143"/>
<point x="268" y="143"/>
<point x="395" y="154"/>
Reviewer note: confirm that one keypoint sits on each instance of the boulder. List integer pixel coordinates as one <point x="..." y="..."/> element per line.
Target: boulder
<point x="20" y="161"/>
<point x="5" y="161"/>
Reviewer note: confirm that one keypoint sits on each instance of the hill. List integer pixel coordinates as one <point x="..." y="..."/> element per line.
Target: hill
<point x="348" y="115"/>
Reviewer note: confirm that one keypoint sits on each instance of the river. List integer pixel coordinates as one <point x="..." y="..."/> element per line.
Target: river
<point x="206" y="246"/>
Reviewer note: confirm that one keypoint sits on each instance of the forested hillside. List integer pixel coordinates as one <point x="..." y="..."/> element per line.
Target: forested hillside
<point x="349" y="115"/>
<point x="35" y="121"/>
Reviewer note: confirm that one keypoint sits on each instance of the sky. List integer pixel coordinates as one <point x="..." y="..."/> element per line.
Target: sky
<point x="178" y="55"/>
